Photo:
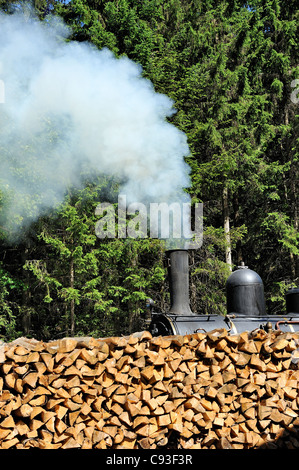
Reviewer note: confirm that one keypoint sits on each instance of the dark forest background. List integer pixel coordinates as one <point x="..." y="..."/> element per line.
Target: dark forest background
<point x="229" y="67"/>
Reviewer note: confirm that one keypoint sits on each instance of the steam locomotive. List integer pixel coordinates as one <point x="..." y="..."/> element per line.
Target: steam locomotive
<point x="246" y="308"/>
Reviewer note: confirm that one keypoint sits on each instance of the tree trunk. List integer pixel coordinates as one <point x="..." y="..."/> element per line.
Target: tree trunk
<point x="226" y="224"/>
<point x="294" y="174"/>
<point x="236" y="209"/>
<point x="294" y="257"/>
<point x="291" y="185"/>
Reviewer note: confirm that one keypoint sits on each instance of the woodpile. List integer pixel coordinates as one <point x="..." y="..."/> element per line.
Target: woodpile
<point x="206" y="390"/>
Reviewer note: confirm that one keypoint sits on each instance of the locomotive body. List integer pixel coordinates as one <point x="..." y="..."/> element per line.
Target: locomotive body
<point x="246" y="309"/>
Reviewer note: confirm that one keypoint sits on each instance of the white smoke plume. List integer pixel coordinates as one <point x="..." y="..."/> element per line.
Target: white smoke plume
<point x="69" y="106"/>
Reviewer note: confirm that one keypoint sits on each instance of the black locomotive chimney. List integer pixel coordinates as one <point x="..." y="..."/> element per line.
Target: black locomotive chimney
<point x="178" y="273"/>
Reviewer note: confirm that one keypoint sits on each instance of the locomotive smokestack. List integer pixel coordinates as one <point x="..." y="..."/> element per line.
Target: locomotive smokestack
<point x="178" y="274"/>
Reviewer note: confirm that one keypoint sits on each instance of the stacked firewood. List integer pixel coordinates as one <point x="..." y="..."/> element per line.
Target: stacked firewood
<point x="205" y="390"/>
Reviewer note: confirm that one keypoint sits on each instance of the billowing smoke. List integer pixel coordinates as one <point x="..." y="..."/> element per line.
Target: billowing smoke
<point x="70" y="107"/>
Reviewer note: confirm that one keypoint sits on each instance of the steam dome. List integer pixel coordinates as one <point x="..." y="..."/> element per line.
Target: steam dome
<point x="245" y="293"/>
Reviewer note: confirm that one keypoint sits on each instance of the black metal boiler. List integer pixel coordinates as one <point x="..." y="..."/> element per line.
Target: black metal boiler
<point x="246" y="310"/>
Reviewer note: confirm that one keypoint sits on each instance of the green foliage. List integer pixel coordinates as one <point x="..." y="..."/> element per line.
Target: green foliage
<point x="285" y="233"/>
<point x="100" y="285"/>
